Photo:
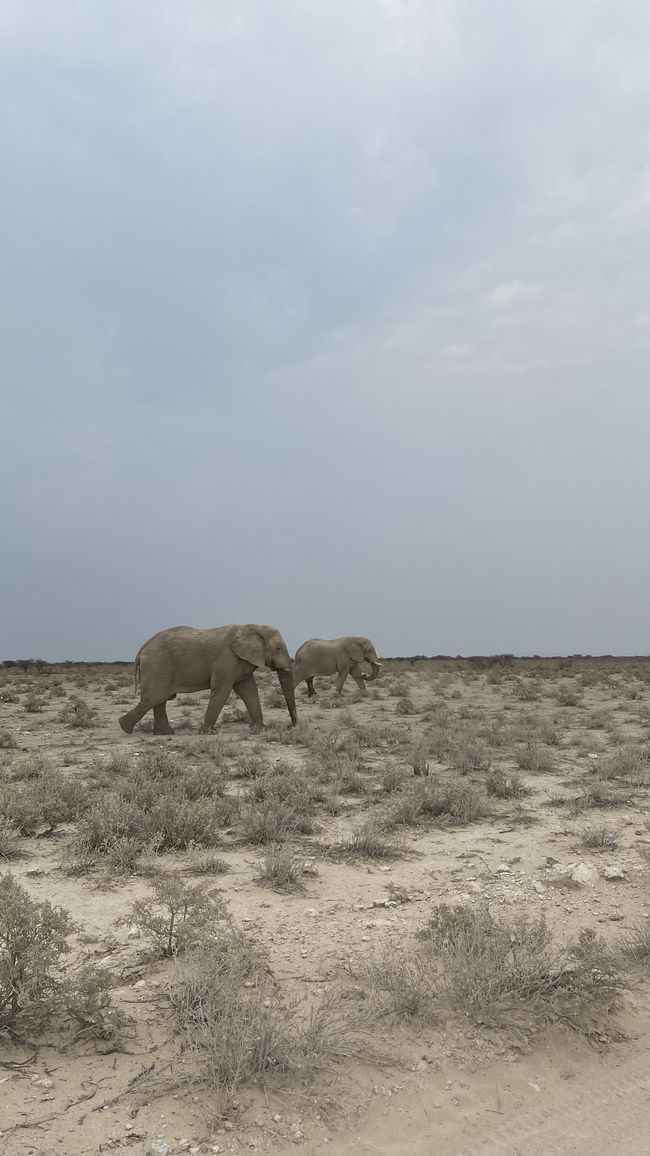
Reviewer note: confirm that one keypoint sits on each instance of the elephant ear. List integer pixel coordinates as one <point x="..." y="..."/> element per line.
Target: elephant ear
<point x="354" y="650"/>
<point x="248" y="645"/>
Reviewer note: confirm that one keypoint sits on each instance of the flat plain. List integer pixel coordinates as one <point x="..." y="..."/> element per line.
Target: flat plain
<point x="416" y="922"/>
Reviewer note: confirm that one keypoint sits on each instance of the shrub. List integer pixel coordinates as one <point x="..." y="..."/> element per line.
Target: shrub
<point x="178" y="917"/>
<point x="78" y="713"/>
<point x="8" y="740"/>
<point x="502" y="786"/>
<point x="33" y="937"/>
<point x="9" y="833"/>
<point x="418" y="759"/>
<point x="599" y="837"/>
<point x="369" y="841"/>
<point x="33" y="704"/>
<point x="239" y="1028"/>
<point x="635" y="944"/>
<point x="470" y="755"/>
<point x="630" y="764"/>
<point x="281" y="867"/>
<point x="498" y="972"/>
<point x="44" y="801"/>
<point x="534" y="758"/>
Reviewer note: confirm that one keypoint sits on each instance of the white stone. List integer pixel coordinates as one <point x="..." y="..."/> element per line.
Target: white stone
<point x="615" y="873"/>
<point x="159" y="1148"/>
<point x="583" y="874"/>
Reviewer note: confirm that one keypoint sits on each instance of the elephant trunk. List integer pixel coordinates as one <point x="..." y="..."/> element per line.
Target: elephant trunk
<point x="286" y="682"/>
<point x="376" y="668"/>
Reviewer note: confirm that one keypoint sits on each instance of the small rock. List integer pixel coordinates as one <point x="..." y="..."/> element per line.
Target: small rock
<point x="583" y="874"/>
<point x="42" y="1081"/>
<point x="277" y="1117"/>
<point x="592" y="755"/>
<point x="134" y="933"/>
<point x="184" y="1145"/>
<point x="228" y="1125"/>
<point x="539" y="887"/>
<point x="615" y="874"/>
<point x="503" y="869"/>
<point x="159" y="1148"/>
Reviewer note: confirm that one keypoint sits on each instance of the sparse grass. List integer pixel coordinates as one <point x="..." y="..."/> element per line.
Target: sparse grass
<point x="630" y="764"/>
<point x="207" y="863"/>
<point x="446" y="800"/>
<point x="9" y="835"/>
<point x="418" y="759"/>
<point x="502" y="786"/>
<point x="599" y="837"/>
<point x="635" y="943"/>
<point x="281" y="867"/>
<point x="470" y="755"/>
<point x="535" y="758"/>
<point x="369" y="841"/>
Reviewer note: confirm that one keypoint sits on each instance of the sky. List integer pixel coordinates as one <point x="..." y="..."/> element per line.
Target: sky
<point x="329" y="316"/>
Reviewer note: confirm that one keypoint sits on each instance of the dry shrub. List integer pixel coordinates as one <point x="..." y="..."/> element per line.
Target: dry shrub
<point x="505" y="973"/>
<point x="8" y="741"/>
<point x="78" y="713"/>
<point x="470" y="755"/>
<point x="503" y="786"/>
<point x="41" y="801"/>
<point x="281" y="867"/>
<point x="449" y="800"/>
<point x="9" y="835"/>
<point x="239" y="1028"/>
<point x="418" y="758"/>
<point x="635" y="944"/>
<point x="599" y="837"/>
<point x="534" y="758"/>
<point x="369" y="841"/>
<point x="33" y="994"/>
<point x="630" y="764"/>
<point x="178" y="917"/>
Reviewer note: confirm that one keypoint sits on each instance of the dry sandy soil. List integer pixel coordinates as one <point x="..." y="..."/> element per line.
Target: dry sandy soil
<point x="573" y="734"/>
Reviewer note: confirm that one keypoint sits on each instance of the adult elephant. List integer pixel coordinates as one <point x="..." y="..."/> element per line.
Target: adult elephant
<point x="182" y="660"/>
<point x="340" y="656"/>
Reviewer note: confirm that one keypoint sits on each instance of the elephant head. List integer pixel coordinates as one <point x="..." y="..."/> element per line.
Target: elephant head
<point x="362" y="650"/>
<point x="265" y="646"/>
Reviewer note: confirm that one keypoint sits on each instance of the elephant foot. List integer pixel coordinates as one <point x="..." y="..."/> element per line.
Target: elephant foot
<point x="126" y="724"/>
<point x="163" y="730"/>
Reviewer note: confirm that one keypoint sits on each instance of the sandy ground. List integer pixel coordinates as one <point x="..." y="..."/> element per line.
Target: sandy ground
<point x="449" y="1087"/>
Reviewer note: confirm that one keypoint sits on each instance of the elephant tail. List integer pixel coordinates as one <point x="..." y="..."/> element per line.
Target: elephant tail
<point x="136" y="671"/>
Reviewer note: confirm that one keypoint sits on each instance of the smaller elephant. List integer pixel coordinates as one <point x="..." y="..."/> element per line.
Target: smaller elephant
<point x="340" y="656"/>
<point x="220" y="660"/>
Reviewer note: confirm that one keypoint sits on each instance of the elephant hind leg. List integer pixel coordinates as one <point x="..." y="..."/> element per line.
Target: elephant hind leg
<point x="355" y="673"/>
<point x="128" y="721"/>
<point x="161" y="724"/>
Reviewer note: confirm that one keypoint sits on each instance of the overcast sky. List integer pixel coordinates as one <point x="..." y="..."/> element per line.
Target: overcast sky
<point x="329" y="315"/>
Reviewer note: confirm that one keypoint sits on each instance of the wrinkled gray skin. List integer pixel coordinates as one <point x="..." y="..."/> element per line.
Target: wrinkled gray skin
<point x="339" y="656"/>
<point x="182" y="660"/>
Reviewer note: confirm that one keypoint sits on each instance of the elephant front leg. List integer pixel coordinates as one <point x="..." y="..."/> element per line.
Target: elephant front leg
<point x="161" y="724"/>
<point x="355" y="673"/>
<point x="343" y="674"/>
<point x="218" y="699"/>
<point x="248" y="693"/>
<point x="311" y="693"/>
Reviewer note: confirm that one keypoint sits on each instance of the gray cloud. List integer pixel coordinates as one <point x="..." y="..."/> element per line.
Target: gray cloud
<point x="334" y="320"/>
